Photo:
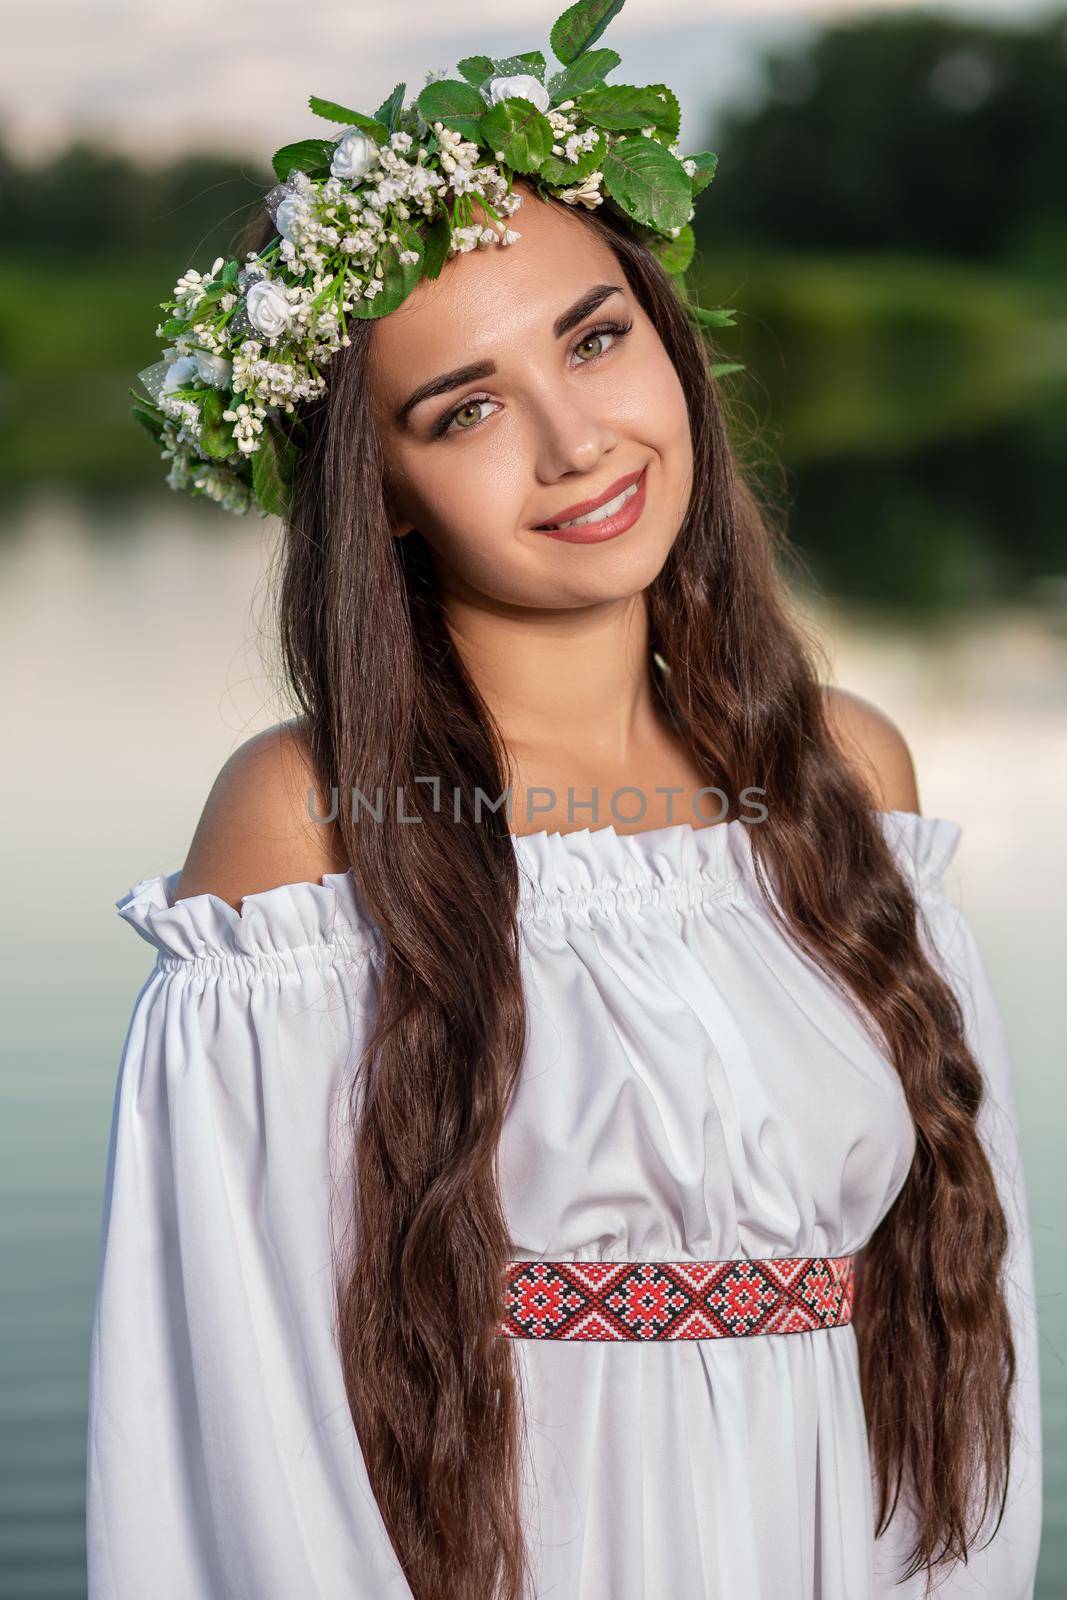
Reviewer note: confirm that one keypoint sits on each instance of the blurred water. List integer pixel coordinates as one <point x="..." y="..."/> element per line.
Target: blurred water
<point x="133" y="669"/>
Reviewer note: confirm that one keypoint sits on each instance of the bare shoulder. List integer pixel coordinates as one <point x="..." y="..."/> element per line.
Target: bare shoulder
<point x="871" y="741"/>
<point x="257" y="829"/>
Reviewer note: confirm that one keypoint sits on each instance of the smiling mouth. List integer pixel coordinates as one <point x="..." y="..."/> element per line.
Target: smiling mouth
<point x="607" y="520"/>
<point x="600" y="513"/>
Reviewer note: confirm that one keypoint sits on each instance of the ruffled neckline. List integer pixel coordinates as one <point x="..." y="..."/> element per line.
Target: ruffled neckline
<point x="560" y="874"/>
<point x="603" y="869"/>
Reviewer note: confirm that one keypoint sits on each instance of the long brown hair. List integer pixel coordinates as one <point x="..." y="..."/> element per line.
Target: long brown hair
<point x="385" y="698"/>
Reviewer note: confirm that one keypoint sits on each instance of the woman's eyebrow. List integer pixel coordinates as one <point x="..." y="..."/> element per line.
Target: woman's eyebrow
<point x="447" y="381"/>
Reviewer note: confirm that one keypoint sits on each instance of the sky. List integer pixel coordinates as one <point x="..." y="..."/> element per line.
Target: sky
<point x="154" y="78"/>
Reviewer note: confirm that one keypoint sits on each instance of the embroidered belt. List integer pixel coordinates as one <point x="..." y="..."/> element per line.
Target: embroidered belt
<point x="676" y="1299"/>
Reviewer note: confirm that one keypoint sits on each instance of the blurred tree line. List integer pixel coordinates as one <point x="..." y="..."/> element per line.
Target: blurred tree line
<point x="904" y="132"/>
<point x="88" y="202"/>
<point x="888" y="218"/>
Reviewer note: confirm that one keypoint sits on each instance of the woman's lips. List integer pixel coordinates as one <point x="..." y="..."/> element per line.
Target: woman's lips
<point x="582" y="507"/>
<point x="607" y="527"/>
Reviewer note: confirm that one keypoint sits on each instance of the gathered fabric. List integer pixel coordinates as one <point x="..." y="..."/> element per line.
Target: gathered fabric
<point x="703" y="1137"/>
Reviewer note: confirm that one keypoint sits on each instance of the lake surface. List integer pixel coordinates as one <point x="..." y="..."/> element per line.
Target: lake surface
<point x="134" y="668"/>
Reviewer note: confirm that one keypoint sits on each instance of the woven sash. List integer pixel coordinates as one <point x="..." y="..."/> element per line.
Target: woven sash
<point x="596" y="1300"/>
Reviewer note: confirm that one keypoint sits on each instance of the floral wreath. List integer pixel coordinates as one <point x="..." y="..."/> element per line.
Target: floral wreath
<point x="362" y="216"/>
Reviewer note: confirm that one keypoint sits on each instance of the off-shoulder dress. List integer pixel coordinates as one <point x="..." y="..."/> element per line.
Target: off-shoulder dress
<point x="693" y="1089"/>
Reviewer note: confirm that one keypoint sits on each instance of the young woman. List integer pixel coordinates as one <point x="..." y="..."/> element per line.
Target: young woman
<point x="613" y="1195"/>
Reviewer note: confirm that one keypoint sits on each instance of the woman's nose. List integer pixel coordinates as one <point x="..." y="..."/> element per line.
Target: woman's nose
<point x="574" y="435"/>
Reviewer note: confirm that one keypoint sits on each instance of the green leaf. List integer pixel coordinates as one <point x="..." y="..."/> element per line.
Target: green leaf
<point x="580" y="26"/>
<point x="312" y="156"/>
<point x="389" y="110"/>
<point x="518" y="129"/>
<point x="721" y="368"/>
<point x="670" y="118"/>
<point x="457" y="104"/>
<point x="476" y="69"/>
<point x="719" y="317"/>
<point x="335" y="113"/>
<point x="217" y="441"/>
<point x="587" y="72"/>
<point x="146" y="404"/>
<point x="531" y="64"/>
<point x="675" y="254"/>
<point x="214" y="404"/>
<point x="173" y="326"/>
<point x="408" y="120"/>
<point x="208" y="300"/>
<point x="229" y="274"/>
<point x="435" y="245"/>
<point x="208" y="306"/>
<point x="272" y="469"/>
<point x="648" y="183"/>
<point x="622" y="105"/>
<point x="563" y="174"/>
<point x="706" y="162"/>
<point x="216" y="437"/>
<point x="148" y="420"/>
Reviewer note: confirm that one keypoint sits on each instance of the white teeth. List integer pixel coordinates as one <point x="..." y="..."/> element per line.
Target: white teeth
<point x="601" y="512"/>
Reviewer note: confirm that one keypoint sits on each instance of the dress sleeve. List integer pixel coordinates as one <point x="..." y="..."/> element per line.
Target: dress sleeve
<point x="1006" y="1568"/>
<point x="222" y="1459"/>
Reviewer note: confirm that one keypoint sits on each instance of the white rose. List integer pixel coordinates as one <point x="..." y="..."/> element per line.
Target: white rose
<point x="354" y="155"/>
<point x="268" y="307"/>
<point x="521" y="87"/>
<point x="215" y="370"/>
<point x="291" y="207"/>
<point x="183" y="370"/>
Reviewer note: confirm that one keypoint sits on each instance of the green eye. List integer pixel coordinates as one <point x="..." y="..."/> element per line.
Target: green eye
<point x="471" y="405"/>
<point x="589" y="339"/>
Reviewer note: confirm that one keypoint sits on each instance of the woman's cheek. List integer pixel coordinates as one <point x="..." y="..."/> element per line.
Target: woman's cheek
<point x="662" y="400"/>
<point x="469" y="525"/>
<point x="473" y="498"/>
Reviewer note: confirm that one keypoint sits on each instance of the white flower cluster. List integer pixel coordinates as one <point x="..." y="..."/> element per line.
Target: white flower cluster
<point x="459" y="158"/>
<point x="569" y="144"/>
<point x="172" y="450"/>
<point x="220" y="485"/>
<point x="475" y="236"/>
<point x="179" y="408"/>
<point x="587" y="193"/>
<point x="212" y="479"/>
<point x="248" y="421"/>
<point x="191" y="286"/>
<point x="272" y="383"/>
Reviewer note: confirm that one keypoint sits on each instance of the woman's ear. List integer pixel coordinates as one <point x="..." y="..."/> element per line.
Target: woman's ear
<point x="399" y="526"/>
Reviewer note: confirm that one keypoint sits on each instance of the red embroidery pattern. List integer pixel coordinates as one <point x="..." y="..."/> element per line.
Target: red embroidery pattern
<point x="676" y="1299"/>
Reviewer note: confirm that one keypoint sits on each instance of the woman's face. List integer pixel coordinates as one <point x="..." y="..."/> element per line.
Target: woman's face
<point x="562" y="416"/>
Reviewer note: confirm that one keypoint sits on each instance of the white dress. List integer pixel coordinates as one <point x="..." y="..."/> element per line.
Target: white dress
<point x="693" y="1088"/>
